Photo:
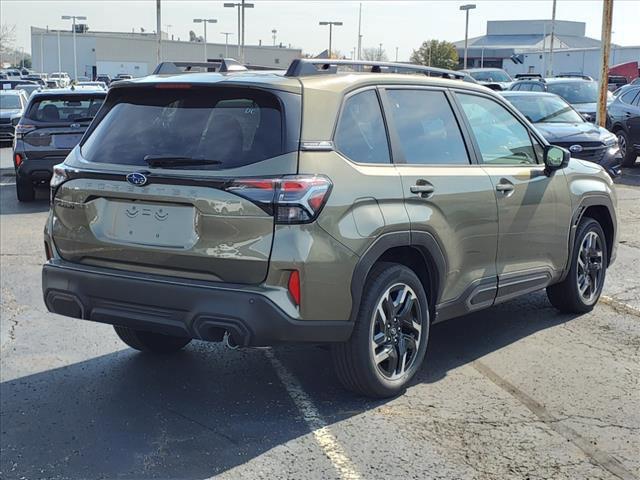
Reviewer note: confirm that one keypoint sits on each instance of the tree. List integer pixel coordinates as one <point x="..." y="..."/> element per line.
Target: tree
<point x="434" y="53"/>
<point x="7" y="39"/>
<point x="374" y="54"/>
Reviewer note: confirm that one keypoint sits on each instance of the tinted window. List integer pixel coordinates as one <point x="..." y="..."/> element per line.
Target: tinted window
<point x="234" y="127"/>
<point x="525" y="87"/>
<point x="502" y="139"/>
<point x="361" y="135"/>
<point x="427" y="130"/>
<point x="536" y="87"/>
<point x="628" y="97"/>
<point x="10" y="102"/>
<point x="65" y="108"/>
<point x="575" y="92"/>
<point x="545" y="109"/>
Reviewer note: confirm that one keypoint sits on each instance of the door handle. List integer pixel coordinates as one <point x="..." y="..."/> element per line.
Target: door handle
<point x="422" y="189"/>
<point x="505" y="187"/>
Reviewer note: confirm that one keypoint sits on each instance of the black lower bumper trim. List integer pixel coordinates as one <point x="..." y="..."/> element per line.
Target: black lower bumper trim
<point x="180" y="308"/>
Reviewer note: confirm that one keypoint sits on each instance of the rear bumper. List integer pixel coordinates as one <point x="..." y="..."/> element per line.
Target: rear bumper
<point x="167" y="305"/>
<point x="37" y="171"/>
<point x="7" y="132"/>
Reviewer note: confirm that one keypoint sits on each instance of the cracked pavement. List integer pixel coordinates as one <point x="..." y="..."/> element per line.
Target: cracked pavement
<point x="517" y="391"/>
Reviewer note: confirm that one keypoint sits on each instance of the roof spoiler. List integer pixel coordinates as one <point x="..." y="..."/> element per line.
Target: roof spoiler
<point x="302" y="67"/>
<point x="223" y="65"/>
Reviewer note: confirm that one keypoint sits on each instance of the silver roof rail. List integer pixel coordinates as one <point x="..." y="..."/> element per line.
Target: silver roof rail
<point x="302" y="67"/>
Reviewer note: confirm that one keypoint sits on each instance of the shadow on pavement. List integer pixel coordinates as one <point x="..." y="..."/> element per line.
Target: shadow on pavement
<point x="9" y="204"/>
<point x="206" y="409"/>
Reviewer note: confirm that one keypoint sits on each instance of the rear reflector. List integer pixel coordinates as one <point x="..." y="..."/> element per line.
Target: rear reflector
<point x="294" y="286"/>
<point x="17" y="159"/>
<point x="47" y="251"/>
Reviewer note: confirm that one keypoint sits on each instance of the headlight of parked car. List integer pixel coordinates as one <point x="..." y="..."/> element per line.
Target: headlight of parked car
<point x="611" y="141"/>
<point x="15" y="121"/>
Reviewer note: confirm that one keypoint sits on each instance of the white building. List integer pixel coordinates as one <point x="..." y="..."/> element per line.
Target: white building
<point x="530" y="41"/>
<point x="135" y="53"/>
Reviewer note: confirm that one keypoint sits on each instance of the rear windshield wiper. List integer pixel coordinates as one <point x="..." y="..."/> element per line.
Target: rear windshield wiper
<point x="82" y="119"/>
<point x="175" y="161"/>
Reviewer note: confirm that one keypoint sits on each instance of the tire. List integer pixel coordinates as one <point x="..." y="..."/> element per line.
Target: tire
<point x="566" y="295"/>
<point x="354" y="361"/>
<point x="25" y="191"/>
<point x="150" y="341"/>
<point x="626" y="148"/>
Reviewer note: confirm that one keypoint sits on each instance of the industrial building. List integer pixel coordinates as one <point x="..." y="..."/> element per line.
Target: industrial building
<point x="111" y="53"/>
<point x="530" y="41"/>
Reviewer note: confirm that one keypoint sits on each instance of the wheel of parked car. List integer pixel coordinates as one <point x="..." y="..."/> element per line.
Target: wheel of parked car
<point x="390" y="335"/>
<point x="25" y="191"/>
<point x="150" y="341"/>
<point x="580" y="290"/>
<point x="626" y="149"/>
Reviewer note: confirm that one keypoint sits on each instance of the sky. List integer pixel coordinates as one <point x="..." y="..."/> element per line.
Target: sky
<point x="394" y="23"/>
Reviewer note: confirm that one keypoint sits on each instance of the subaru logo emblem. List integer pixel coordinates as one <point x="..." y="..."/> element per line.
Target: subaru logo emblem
<point x="136" y="178"/>
<point x="75" y="125"/>
<point x="575" y="148"/>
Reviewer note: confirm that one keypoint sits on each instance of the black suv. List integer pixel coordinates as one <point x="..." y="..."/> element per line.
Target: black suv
<point x="580" y="93"/>
<point x="623" y="119"/>
<point x="53" y="123"/>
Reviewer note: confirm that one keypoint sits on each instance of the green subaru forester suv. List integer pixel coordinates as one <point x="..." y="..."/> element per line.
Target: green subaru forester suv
<point x="346" y="203"/>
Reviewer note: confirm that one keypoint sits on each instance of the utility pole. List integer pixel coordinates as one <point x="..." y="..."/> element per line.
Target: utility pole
<point x="466" y="9"/>
<point x="59" y="58"/>
<point x="159" y="32"/>
<point x="396" y="54"/>
<point x="226" y="43"/>
<point x="360" y="33"/>
<point x="553" y="32"/>
<point x="273" y="35"/>
<point x="607" y="17"/>
<point x="240" y="6"/>
<point x="331" y="24"/>
<point x="205" y="21"/>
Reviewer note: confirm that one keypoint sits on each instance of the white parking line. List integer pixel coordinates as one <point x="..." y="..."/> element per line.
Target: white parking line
<point x="327" y="441"/>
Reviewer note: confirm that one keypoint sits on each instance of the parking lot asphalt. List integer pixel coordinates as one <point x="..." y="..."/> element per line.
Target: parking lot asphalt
<point x="516" y="391"/>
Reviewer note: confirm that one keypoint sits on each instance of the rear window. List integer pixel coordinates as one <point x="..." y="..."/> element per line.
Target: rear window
<point x="65" y="108"/>
<point x="10" y="102"/>
<point x="231" y="126"/>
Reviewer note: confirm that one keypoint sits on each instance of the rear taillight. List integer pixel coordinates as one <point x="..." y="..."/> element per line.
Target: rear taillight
<point x="22" y="129"/>
<point x="58" y="177"/>
<point x="291" y="199"/>
<point x="17" y="160"/>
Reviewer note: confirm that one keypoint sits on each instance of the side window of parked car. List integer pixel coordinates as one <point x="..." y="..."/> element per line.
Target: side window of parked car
<point x="628" y="97"/>
<point x="361" y="135"/>
<point x="502" y="139"/>
<point x="426" y="127"/>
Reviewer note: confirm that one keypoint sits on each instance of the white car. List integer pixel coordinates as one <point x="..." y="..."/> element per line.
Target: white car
<point x="61" y="77"/>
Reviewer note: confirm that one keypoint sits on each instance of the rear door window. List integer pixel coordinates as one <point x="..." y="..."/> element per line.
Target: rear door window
<point x="72" y="108"/>
<point x="426" y="127"/>
<point x="361" y="135"/>
<point x="231" y="127"/>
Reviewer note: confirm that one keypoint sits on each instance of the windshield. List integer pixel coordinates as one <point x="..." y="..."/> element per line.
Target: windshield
<point x="228" y="127"/>
<point x="10" y="102"/>
<point x="545" y="108"/>
<point x="575" y="92"/>
<point x="65" y="108"/>
<point x="491" y="76"/>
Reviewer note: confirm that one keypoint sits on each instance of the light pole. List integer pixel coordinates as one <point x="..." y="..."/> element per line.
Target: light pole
<point x="205" y="21"/>
<point x="75" y="55"/>
<point x="396" y="54"/>
<point x="466" y="9"/>
<point x="226" y="43"/>
<point x="380" y="52"/>
<point x="331" y="24"/>
<point x="59" y="57"/>
<point x="273" y="34"/>
<point x="241" y="6"/>
<point x="360" y="32"/>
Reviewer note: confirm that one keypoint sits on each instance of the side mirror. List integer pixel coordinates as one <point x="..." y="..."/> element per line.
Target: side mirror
<point x="555" y="158"/>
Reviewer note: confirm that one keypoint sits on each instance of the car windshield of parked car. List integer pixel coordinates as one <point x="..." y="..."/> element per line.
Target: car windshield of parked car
<point x="575" y="92"/>
<point x="10" y="102"/>
<point x="227" y="127"/>
<point x="491" y="76"/>
<point x="65" y="108"/>
<point x="545" y="109"/>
